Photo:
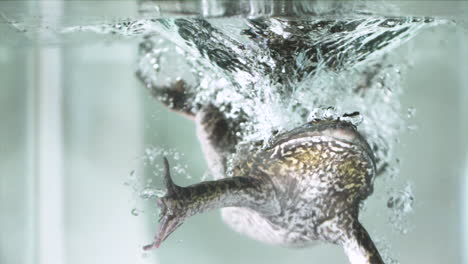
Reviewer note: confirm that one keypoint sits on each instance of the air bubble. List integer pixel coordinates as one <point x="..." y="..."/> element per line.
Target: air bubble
<point x="135" y="212"/>
<point x="411" y="112"/>
<point x="148" y="193"/>
<point x="145" y="255"/>
<point x="400" y="202"/>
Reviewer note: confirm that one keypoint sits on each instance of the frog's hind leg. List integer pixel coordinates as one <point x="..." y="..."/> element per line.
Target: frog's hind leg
<point x="175" y="96"/>
<point x="180" y="203"/>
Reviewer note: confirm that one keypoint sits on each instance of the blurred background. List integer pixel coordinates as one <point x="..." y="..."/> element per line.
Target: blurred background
<point x="75" y="122"/>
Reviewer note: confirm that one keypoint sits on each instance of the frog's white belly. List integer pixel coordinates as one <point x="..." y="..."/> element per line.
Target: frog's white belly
<point x="255" y="226"/>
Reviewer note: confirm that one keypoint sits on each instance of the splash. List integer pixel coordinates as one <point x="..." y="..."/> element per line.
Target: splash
<point x="278" y="73"/>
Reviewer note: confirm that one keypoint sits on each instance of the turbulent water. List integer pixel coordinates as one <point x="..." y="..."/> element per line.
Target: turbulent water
<point x="277" y="73"/>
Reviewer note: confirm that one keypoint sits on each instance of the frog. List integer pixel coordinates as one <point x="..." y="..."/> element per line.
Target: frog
<point x="304" y="187"/>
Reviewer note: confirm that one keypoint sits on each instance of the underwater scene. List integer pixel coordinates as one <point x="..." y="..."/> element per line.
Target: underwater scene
<point x="250" y="131"/>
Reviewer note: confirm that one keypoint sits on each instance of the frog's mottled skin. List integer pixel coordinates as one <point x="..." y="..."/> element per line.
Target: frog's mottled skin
<point x="305" y="187"/>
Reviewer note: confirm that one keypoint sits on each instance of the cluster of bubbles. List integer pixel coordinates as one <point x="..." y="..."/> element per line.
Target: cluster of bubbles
<point x="400" y="203"/>
<point x="276" y="74"/>
<point x="147" y="189"/>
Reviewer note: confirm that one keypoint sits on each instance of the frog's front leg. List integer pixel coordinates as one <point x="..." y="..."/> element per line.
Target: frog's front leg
<point x="175" y="96"/>
<point x="180" y="203"/>
<point x="217" y="136"/>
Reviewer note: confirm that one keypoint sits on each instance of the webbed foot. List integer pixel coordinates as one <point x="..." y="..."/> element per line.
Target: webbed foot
<point x="173" y="211"/>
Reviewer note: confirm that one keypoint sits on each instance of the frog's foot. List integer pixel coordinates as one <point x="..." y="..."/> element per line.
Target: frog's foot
<point x="174" y="96"/>
<point x="169" y="220"/>
<point x="172" y="207"/>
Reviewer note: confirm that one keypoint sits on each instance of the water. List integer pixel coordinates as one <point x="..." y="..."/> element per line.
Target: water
<point x="275" y="73"/>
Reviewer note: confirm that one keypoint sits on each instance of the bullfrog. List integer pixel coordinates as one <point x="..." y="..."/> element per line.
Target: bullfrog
<point x="305" y="185"/>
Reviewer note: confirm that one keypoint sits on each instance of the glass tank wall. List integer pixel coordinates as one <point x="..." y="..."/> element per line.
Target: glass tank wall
<point x="82" y="140"/>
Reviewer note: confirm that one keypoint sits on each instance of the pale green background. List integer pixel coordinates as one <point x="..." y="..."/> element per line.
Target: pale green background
<point x="108" y="119"/>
